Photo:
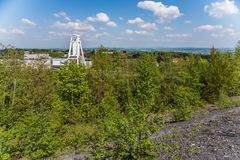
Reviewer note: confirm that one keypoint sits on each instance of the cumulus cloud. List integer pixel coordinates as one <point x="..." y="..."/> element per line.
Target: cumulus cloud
<point x="208" y="27"/>
<point x="104" y="18"/>
<point x="74" y="25"/>
<point x="111" y="24"/>
<point x="163" y="12"/>
<point x="220" y="9"/>
<point x="141" y="24"/>
<point x="14" y="31"/>
<point x="100" y="17"/>
<point x="28" y="22"/>
<point x="63" y="15"/>
<point x="218" y="31"/>
<point x="136" y="32"/>
<point x="71" y="24"/>
<point x="136" y="21"/>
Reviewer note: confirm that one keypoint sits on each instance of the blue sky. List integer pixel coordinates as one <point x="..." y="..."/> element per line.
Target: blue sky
<point x="122" y="23"/>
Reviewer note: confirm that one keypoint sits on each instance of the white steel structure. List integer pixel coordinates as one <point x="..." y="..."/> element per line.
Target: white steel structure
<point x="75" y="50"/>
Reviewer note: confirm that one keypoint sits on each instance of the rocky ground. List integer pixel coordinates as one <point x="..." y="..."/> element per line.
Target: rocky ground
<point x="211" y="135"/>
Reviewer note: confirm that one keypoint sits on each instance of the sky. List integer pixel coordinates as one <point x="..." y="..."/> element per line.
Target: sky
<point x="120" y="23"/>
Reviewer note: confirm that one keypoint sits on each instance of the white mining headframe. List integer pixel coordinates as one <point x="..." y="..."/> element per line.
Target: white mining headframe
<point x="75" y="54"/>
<point x="76" y="51"/>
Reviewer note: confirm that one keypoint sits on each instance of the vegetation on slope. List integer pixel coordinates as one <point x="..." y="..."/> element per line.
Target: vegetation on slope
<point x="107" y="111"/>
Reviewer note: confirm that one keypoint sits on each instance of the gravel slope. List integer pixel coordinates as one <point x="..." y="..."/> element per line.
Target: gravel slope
<point x="211" y="135"/>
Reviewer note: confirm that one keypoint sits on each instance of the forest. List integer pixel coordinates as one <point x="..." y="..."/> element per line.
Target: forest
<point x="111" y="109"/>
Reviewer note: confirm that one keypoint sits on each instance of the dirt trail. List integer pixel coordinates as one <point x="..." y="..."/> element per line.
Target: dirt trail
<point x="211" y="135"/>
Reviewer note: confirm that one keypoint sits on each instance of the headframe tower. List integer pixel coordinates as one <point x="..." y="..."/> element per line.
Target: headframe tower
<point x="75" y="50"/>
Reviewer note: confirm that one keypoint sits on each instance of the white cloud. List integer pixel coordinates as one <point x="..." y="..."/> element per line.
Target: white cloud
<point x="167" y="28"/>
<point x="14" y="31"/>
<point x="74" y="25"/>
<point x="136" y="21"/>
<point x="141" y="24"/>
<point x="104" y="18"/>
<point x="129" y="31"/>
<point x="62" y="14"/>
<point x="149" y="26"/>
<point x="218" y="31"/>
<point x="91" y="19"/>
<point x="220" y="9"/>
<point x="28" y="22"/>
<point x="208" y="27"/>
<point x="100" y="17"/>
<point x="112" y="24"/>
<point x="178" y="35"/>
<point x="163" y="12"/>
<point x="188" y="21"/>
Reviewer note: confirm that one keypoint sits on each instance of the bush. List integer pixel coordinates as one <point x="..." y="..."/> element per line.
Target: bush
<point x="36" y="135"/>
<point x="222" y="75"/>
<point x="127" y="137"/>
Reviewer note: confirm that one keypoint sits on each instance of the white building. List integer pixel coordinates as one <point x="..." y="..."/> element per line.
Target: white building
<point x="37" y="59"/>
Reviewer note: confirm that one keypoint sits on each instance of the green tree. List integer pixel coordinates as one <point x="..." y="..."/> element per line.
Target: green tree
<point x="222" y="75"/>
<point x="73" y="89"/>
<point x="181" y="85"/>
<point x="145" y="83"/>
<point x="237" y="49"/>
<point x="125" y="134"/>
<point x="28" y="123"/>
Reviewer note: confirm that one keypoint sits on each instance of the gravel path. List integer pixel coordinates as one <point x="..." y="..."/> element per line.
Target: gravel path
<point x="211" y="135"/>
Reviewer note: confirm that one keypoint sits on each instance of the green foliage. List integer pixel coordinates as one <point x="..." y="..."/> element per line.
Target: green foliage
<point x="127" y="137"/>
<point x="181" y="85"/>
<point x="36" y="136"/>
<point x="237" y="49"/>
<point x="145" y="84"/>
<point x="74" y="93"/>
<point x="222" y="75"/>
<point x="182" y="108"/>
<point x="227" y="102"/>
<point x="109" y="110"/>
<point x="101" y="74"/>
<point x="28" y="124"/>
